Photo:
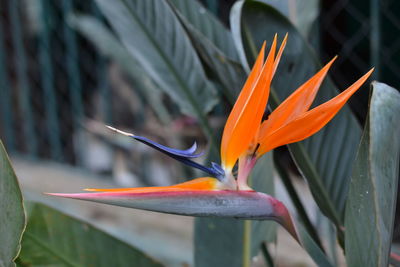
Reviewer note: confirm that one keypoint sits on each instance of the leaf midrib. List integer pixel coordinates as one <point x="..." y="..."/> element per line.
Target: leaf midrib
<point x="193" y="31"/>
<point x="186" y="92"/>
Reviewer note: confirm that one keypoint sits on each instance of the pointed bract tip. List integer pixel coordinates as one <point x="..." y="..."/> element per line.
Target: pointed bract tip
<point x="263" y="46"/>
<point x="284" y="41"/>
<point x="57" y="194"/>
<point x="285" y="219"/>
<point x="274" y="41"/>
<point x="329" y="64"/>
<point x="279" y="55"/>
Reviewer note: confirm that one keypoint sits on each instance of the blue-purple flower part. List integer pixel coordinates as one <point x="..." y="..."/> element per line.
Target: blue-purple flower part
<point x="184" y="156"/>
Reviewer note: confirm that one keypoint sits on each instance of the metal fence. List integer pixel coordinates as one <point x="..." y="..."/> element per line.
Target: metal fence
<point x="47" y="76"/>
<point x="50" y="76"/>
<point x="364" y="34"/>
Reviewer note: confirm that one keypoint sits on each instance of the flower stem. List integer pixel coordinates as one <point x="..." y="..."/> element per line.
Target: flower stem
<point x="247" y="244"/>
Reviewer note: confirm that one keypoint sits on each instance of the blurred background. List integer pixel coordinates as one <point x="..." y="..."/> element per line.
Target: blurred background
<point x="57" y="90"/>
<point x="53" y="80"/>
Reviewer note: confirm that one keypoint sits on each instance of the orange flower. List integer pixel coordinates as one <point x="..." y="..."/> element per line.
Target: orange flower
<point x="245" y="138"/>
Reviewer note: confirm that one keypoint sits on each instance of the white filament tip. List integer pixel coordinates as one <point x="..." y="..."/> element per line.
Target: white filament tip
<point x="119" y="131"/>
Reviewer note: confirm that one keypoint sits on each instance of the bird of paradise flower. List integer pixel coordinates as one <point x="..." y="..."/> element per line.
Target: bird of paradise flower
<point x="245" y="139"/>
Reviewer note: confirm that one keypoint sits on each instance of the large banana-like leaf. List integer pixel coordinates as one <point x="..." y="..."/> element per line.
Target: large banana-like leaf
<point x="235" y="241"/>
<point x="208" y="25"/>
<point x="301" y="13"/>
<point x="108" y="44"/>
<point x="12" y="216"/>
<point x="55" y="239"/>
<point x="313" y="250"/>
<point x="324" y="159"/>
<point x="372" y="197"/>
<point x="153" y="35"/>
<point x="215" y="45"/>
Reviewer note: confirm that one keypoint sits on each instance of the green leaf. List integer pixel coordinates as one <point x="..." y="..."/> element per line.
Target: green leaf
<point x="312" y="248"/>
<point x="214" y="44"/>
<point x="284" y="175"/>
<point x="53" y="238"/>
<point x="324" y="159"/>
<point x="236" y="28"/>
<point x="301" y="13"/>
<point x="262" y="180"/>
<point x="207" y="25"/>
<point x="12" y="216"/>
<point x="232" y="242"/>
<point x="372" y="198"/>
<point x="228" y="73"/>
<point x="153" y="35"/>
<point x="108" y="44"/>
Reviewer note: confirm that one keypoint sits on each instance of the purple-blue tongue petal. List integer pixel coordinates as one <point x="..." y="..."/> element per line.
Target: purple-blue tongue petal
<point x="183" y="156"/>
<point x="188" y="153"/>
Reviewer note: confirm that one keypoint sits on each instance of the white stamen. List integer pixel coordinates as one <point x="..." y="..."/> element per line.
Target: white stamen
<point x="119" y="131"/>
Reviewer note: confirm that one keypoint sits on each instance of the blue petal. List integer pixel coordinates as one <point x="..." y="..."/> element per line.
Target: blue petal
<point x="183" y="156"/>
<point x="188" y="153"/>
<point x="218" y="169"/>
<point x="196" y="165"/>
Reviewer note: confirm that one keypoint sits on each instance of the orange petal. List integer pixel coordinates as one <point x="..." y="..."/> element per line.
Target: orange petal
<point x="245" y="166"/>
<point x="240" y="104"/>
<point x="264" y="101"/>
<point x="244" y="120"/>
<point x="279" y="55"/>
<point x="265" y="87"/>
<point x="204" y="183"/>
<point x="311" y="121"/>
<point x="296" y="104"/>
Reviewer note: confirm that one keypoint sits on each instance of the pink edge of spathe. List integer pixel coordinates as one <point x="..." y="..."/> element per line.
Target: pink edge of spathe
<point x="285" y="219"/>
<point x="134" y="194"/>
